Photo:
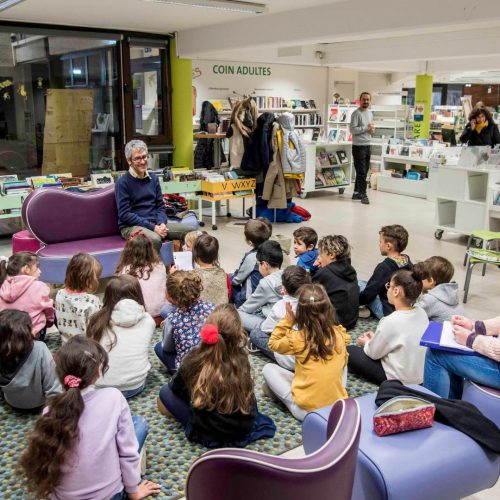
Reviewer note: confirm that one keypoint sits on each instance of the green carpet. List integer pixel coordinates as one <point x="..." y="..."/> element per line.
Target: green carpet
<point x="169" y="453"/>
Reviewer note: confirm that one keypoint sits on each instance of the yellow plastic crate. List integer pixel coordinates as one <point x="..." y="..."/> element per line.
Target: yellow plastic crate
<point x="228" y="186"/>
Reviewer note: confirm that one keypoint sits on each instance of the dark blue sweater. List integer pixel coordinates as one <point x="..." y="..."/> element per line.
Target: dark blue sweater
<point x="139" y="202"/>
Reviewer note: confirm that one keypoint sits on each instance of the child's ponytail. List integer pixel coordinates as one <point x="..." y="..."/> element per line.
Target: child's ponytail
<point x="56" y="432"/>
<point x="410" y="282"/>
<point x="13" y="266"/>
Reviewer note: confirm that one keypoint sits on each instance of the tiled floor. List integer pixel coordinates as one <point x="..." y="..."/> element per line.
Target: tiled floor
<point x="337" y="214"/>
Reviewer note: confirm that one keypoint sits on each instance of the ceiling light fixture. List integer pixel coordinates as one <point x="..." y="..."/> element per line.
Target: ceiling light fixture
<point x="5" y="4"/>
<point x="231" y="5"/>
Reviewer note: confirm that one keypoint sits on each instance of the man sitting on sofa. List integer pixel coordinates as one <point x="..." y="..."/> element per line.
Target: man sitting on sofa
<point x="140" y="203"/>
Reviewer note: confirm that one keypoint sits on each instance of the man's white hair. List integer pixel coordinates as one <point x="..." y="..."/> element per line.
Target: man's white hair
<point x="136" y="145"/>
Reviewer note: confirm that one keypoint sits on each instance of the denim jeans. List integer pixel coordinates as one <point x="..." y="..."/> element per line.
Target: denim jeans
<point x="260" y="339"/>
<point x="375" y="305"/>
<point x="445" y="372"/>
<point x="167" y="308"/>
<point x="250" y="321"/>
<point x="141" y="431"/>
<point x="167" y="358"/>
<point x="133" y="392"/>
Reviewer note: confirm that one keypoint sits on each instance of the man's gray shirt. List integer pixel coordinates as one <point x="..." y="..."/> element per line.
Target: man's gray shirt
<point x="359" y="127"/>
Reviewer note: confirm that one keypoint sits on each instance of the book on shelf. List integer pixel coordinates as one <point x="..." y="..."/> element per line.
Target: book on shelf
<point x="333" y="158"/>
<point x="342" y="135"/>
<point x="339" y="175"/>
<point x="323" y="159"/>
<point x="344" y="115"/>
<point x="332" y="135"/>
<point x="342" y="156"/>
<point x="405" y="151"/>
<point x="333" y="114"/>
<point x="319" y="179"/>
<point x="329" y="177"/>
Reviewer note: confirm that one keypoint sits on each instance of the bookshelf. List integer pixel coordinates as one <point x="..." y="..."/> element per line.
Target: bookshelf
<point x="327" y="166"/>
<point x="465" y="199"/>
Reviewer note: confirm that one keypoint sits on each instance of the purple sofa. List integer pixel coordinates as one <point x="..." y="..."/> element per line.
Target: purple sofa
<point x="438" y="463"/>
<point x="67" y="222"/>
<point x="486" y="399"/>
<point x="229" y="474"/>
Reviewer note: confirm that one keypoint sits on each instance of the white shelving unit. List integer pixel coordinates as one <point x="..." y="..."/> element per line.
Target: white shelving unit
<point x="465" y="199"/>
<point x="310" y="184"/>
<point x="339" y="119"/>
<point x="390" y="121"/>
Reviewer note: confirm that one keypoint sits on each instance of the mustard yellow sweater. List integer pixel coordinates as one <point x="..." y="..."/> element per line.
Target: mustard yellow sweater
<point x="317" y="382"/>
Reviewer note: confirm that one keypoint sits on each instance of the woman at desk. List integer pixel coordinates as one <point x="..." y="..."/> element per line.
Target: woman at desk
<point x="444" y="370"/>
<point x="481" y="129"/>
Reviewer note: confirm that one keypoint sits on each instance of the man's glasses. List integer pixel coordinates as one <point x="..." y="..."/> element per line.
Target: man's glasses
<point x="138" y="159"/>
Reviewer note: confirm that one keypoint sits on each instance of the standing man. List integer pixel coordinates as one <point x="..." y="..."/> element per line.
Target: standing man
<point x="139" y="200"/>
<point x="362" y="128"/>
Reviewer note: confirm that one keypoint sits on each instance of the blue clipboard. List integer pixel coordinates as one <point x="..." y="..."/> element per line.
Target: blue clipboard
<point x="432" y="337"/>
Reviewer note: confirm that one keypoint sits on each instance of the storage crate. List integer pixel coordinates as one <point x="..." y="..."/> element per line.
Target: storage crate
<point x="173" y="187"/>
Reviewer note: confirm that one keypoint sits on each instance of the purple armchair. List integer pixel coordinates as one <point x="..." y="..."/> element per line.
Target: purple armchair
<point x="230" y="473"/>
<point x="67" y="222"/>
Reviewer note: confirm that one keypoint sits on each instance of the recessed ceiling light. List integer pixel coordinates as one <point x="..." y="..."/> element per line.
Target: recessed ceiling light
<point x="5" y="4"/>
<point x="231" y="5"/>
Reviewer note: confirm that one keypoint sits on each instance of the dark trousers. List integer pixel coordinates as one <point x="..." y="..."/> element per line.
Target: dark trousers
<point x="361" y="364"/>
<point x="179" y="408"/>
<point x="167" y="358"/>
<point x="361" y="157"/>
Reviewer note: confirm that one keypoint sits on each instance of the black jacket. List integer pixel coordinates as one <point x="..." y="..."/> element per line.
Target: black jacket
<point x="258" y="148"/>
<point x="341" y="284"/>
<point x="461" y="415"/>
<point x="210" y="428"/>
<point x="489" y="136"/>
<point x="204" y="151"/>
<point x="376" y="284"/>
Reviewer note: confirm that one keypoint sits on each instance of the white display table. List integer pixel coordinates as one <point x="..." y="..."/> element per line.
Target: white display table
<point x="465" y="199"/>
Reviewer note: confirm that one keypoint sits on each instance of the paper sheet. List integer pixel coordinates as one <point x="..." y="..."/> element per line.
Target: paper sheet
<point x="448" y="338"/>
<point x="183" y="261"/>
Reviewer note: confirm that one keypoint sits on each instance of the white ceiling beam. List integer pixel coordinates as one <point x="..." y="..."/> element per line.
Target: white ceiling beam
<point x="344" y="21"/>
<point x="454" y="44"/>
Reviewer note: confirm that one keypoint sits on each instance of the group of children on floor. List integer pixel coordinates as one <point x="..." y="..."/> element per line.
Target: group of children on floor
<point x="298" y="317"/>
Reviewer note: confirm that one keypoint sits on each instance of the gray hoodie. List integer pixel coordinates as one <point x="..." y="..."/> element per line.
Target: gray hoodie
<point x="28" y="386"/>
<point x="441" y="302"/>
<point x="293" y="160"/>
<point x="267" y="293"/>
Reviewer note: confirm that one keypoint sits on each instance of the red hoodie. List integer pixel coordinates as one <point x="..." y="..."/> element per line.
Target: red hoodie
<point x="26" y="293"/>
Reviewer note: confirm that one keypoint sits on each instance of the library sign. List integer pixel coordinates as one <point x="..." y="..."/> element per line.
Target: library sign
<point x="229" y="69"/>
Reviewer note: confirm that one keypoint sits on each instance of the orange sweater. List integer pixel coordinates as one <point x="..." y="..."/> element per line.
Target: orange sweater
<point x="316" y="383"/>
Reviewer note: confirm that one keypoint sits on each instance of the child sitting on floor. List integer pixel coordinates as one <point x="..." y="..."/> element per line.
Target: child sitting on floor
<point x="189" y="240"/>
<point x="318" y="342"/>
<point x="21" y="289"/>
<point x="214" y="279"/>
<point x="181" y="330"/>
<point x="440" y="299"/>
<point x="27" y="375"/>
<point x="257" y="307"/>
<point x="246" y="278"/>
<point x="86" y="444"/>
<point x="339" y="278"/>
<point x="394" y="351"/>
<point x="211" y="416"/>
<point x="125" y="330"/>
<point x="293" y="278"/>
<point x="305" y="240"/>
<point x="76" y="302"/>
<point x="373" y="294"/>
<point x="140" y="259"/>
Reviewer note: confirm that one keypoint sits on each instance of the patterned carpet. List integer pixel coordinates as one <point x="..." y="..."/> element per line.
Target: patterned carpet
<point x="169" y="453"/>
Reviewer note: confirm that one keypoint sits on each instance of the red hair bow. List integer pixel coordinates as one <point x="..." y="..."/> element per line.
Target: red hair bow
<point x="71" y="381"/>
<point x="209" y="334"/>
<point x="133" y="235"/>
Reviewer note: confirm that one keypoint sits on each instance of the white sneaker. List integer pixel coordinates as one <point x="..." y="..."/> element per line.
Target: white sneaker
<point x="364" y="312"/>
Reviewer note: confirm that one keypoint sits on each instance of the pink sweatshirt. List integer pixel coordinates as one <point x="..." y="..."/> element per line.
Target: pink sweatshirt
<point x="153" y="289"/>
<point x="28" y="294"/>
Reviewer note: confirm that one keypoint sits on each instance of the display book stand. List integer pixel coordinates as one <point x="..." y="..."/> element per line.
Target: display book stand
<point x="468" y="193"/>
<point x="405" y="168"/>
<point x="328" y="165"/>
